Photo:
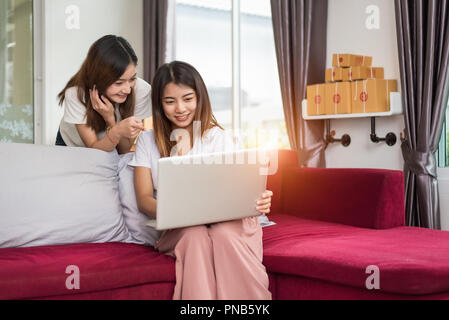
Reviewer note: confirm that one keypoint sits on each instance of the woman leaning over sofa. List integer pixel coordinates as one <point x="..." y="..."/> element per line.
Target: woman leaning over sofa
<point x="104" y="102"/>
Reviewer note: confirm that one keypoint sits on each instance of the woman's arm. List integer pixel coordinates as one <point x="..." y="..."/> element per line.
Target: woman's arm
<point x="90" y="139"/>
<point x="125" y="145"/>
<point x="121" y="136"/>
<point x="143" y="184"/>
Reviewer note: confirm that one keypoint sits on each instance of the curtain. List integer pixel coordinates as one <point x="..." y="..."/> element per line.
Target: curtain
<point x="155" y="38"/>
<point x="423" y="40"/>
<point x="300" y="32"/>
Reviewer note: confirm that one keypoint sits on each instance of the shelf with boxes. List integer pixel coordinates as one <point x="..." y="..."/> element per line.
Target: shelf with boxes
<point x="395" y="109"/>
<point x="353" y="89"/>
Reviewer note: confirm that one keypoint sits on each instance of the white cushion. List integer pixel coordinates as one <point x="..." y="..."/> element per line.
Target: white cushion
<point x="59" y="195"/>
<point x="134" y="219"/>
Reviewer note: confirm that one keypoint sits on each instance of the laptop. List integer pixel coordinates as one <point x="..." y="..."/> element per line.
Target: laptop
<point x="209" y="188"/>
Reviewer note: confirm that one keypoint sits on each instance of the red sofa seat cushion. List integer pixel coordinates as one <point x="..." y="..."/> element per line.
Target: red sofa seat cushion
<point x="411" y="261"/>
<point x="40" y="272"/>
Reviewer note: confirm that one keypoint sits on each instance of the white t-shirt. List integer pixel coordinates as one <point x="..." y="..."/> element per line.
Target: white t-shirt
<point x="147" y="154"/>
<point x="75" y="112"/>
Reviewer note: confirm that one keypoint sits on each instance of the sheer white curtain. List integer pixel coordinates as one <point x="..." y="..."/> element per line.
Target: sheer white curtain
<point x="171" y="31"/>
<point x="3" y="49"/>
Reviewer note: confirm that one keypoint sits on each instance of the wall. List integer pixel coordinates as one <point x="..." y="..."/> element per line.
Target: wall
<point x="347" y="33"/>
<point x="65" y="46"/>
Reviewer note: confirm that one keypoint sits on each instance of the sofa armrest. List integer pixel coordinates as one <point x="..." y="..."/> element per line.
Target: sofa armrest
<point x="367" y="198"/>
<point x="285" y="159"/>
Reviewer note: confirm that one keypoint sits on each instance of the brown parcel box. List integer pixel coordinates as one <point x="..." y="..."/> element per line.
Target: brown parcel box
<point x="372" y="95"/>
<point x="351" y="60"/>
<point x="338" y="98"/>
<point x="315" y="99"/>
<point x="334" y="74"/>
<point x="362" y="73"/>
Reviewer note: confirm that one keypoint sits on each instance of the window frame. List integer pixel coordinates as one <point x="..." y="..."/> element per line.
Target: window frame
<point x="236" y="47"/>
<point x="38" y="69"/>
<point x="236" y="68"/>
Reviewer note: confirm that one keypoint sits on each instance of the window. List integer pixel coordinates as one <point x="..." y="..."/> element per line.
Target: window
<point x="262" y="112"/>
<point x="204" y="38"/>
<point x="443" y="156"/>
<point x="16" y="71"/>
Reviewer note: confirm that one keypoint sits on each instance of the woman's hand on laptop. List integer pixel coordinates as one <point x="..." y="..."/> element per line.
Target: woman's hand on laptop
<point x="263" y="205"/>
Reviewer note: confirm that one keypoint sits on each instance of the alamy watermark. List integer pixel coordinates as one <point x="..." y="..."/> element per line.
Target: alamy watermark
<point x="373" y="281"/>
<point x="226" y="152"/>
<point x="73" y="280"/>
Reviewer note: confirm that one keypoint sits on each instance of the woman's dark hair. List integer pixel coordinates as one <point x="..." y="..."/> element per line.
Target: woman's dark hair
<point x="179" y="73"/>
<point x="106" y="62"/>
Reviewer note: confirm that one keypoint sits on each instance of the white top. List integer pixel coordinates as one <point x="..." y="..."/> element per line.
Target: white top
<point x="147" y="154"/>
<point x="75" y="112"/>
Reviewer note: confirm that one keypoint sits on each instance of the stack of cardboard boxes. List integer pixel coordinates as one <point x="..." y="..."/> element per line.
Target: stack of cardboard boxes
<point x="352" y="86"/>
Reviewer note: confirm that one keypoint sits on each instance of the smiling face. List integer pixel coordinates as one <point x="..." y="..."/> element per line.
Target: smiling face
<point x="179" y="103"/>
<point x="119" y="91"/>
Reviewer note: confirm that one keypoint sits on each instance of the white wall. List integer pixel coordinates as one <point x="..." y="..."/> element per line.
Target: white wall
<point x="347" y="33"/>
<point x="66" y="48"/>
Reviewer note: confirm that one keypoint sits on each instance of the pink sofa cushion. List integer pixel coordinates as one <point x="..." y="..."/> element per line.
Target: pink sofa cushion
<point x="411" y="261"/>
<point x="40" y="272"/>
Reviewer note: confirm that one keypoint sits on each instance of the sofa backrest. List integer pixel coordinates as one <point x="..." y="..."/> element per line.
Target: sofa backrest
<point x="367" y="198"/>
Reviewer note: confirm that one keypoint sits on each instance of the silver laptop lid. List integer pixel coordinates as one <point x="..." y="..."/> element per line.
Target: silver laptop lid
<point x="209" y="188"/>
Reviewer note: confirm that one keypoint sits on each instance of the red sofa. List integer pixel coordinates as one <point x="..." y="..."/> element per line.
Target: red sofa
<point x="332" y="224"/>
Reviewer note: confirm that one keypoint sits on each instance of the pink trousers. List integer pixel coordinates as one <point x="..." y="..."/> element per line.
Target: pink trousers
<point x="218" y="262"/>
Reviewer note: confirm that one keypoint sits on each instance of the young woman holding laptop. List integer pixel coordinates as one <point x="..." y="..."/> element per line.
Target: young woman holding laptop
<point x="219" y="261"/>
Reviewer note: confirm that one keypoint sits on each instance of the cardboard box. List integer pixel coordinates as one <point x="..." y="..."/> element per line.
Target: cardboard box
<point x="362" y="73"/>
<point x="351" y="60"/>
<point x="338" y="98"/>
<point x="377" y="73"/>
<point x="315" y="99"/>
<point x="334" y="74"/>
<point x="373" y="95"/>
